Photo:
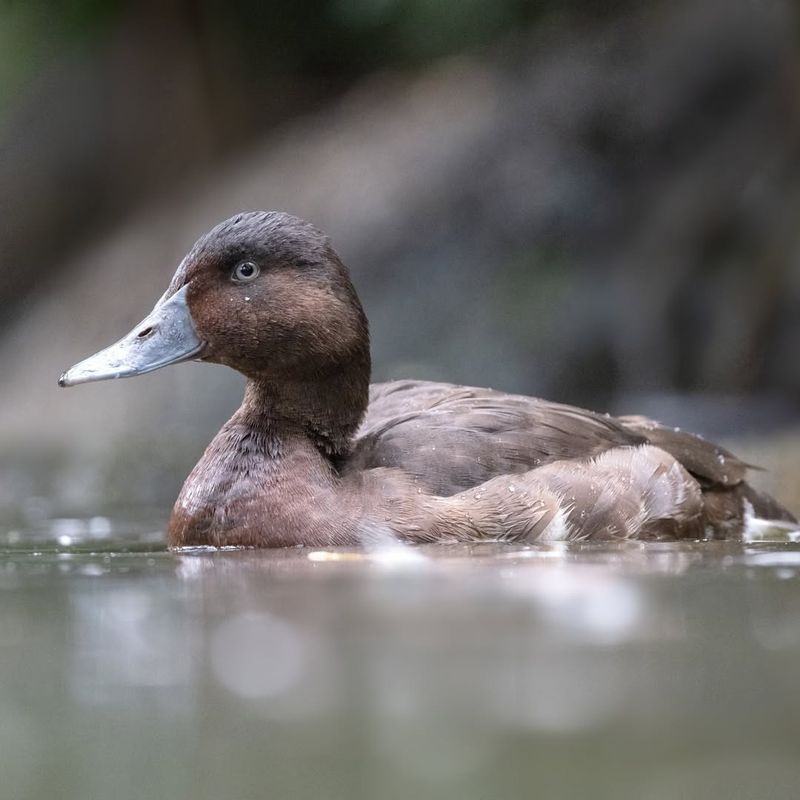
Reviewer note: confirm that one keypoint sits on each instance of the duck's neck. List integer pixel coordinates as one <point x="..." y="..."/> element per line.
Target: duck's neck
<point x="326" y="409"/>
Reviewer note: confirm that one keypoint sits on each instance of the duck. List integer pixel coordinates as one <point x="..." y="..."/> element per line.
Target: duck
<point x="316" y="456"/>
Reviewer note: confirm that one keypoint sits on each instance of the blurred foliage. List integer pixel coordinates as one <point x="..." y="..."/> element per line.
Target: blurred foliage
<point x="31" y="31"/>
<point x="307" y="37"/>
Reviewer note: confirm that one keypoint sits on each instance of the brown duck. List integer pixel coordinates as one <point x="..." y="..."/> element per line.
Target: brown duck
<point x="317" y="456"/>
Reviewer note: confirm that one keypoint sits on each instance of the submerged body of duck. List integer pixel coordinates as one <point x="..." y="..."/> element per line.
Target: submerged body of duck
<point x="317" y="456"/>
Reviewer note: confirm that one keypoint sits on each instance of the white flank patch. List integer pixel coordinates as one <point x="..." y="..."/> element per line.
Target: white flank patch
<point x="756" y="529"/>
<point x="558" y="530"/>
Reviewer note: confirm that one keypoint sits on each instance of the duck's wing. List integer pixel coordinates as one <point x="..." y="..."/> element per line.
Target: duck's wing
<point x="598" y="475"/>
<point x="452" y="438"/>
<point x="430" y="428"/>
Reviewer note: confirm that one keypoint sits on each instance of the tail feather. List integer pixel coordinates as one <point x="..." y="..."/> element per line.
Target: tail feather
<point x="708" y="462"/>
<point x="727" y="510"/>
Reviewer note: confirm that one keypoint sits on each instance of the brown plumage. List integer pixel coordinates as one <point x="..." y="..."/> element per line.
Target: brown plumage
<point x="317" y="456"/>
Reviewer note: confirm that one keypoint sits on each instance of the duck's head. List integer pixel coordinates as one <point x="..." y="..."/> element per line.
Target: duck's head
<point x="265" y="294"/>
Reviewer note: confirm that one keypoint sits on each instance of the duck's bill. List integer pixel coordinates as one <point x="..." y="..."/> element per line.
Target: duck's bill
<point x="166" y="336"/>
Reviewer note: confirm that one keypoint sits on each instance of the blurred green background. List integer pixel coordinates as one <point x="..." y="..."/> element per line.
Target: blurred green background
<point x="593" y="202"/>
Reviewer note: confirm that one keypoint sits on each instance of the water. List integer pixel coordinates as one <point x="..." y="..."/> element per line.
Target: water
<point x="604" y="671"/>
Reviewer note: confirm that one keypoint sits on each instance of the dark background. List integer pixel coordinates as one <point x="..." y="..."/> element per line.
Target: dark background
<point x="593" y="202"/>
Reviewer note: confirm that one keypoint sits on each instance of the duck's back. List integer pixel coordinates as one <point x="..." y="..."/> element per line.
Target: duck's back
<point x="455" y="437"/>
<point x="452" y="438"/>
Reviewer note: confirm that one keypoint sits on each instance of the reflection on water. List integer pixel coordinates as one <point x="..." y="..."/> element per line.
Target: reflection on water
<point x="608" y="670"/>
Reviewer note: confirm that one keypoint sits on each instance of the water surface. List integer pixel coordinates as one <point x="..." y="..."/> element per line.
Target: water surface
<point x="497" y="671"/>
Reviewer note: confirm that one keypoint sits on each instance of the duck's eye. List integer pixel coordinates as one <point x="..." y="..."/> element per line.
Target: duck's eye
<point x="245" y="271"/>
